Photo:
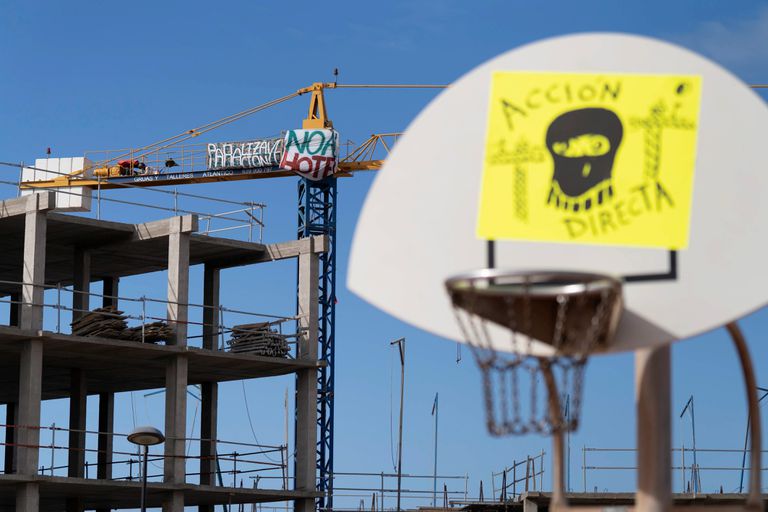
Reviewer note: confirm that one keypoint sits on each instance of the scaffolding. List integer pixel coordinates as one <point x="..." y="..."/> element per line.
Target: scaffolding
<point x="48" y="264"/>
<point x="689" y="471"/>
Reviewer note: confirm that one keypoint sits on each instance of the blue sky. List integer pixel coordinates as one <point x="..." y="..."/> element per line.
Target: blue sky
<point x="80" y="76"/>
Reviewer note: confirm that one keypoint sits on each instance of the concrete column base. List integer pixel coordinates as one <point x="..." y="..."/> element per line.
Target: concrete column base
<point x="11" y="413"/>
<point x="304" y="505"/>
<point x="78" y="401"/>
<point x="175" y="419"/>
<point x="28" y="498"/>
<point x="74" y="505"/>
<point x="174" y="502"/>
<point x="106" y="426"/>
<point x="28" y="420"/>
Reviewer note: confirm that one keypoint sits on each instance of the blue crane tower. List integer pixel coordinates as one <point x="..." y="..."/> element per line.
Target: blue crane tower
<point x="317" y="216"/>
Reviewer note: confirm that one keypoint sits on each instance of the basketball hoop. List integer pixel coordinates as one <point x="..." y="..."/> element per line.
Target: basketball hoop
<point x="531" y="334"/>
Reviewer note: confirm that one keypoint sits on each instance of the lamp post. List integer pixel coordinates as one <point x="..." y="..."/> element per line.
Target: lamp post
<point x="401" y="346"/>
<point x="434" y="482"/>
<point x="746" y="440"/>
<point x="145" y="437"/>
<point x="695" y="470"/>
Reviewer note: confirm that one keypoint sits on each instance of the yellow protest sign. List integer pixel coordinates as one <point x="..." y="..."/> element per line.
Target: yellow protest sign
<point x="590" y="158"/>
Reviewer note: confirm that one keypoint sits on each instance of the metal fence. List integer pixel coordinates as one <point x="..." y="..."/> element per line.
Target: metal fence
<point x="723" y="469"/>
<point x="58" y="312"/>
<point x="354" y="491"/>
<point x="242" y="220"/>
<point x="235" y="462"/>
<point x="519" y="478"/>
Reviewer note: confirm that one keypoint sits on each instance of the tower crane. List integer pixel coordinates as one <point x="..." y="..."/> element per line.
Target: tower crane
<point x="169" y="162"/>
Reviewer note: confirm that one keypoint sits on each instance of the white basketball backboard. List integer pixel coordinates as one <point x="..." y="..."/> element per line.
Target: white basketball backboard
<point x="420" y="221"/>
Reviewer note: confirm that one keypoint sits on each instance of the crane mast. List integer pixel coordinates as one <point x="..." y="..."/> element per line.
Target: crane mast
<point x="317" y="201"/>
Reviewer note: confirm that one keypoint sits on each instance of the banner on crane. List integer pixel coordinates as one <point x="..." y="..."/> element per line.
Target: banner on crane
<point x="245" y="155"/>
<point x="312" y="154"/>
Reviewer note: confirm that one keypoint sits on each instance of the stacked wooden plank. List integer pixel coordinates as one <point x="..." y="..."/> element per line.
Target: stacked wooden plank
<point x="109" y="322"/>
<point x="106" y="322"/>
<point x="154" y="332"/>
<point x="259" y="339"/>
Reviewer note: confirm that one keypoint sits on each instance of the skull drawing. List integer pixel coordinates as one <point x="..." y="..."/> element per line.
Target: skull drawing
<point x="583" y="144"/>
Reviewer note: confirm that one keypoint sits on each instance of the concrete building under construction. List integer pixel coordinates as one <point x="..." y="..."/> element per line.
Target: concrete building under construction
<point x="43" y="250"/>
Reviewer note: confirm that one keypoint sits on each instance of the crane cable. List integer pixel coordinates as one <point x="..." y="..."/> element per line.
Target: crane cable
<point x="194" y="132"/>
<point x="390" y="86"/>
<point x="253" y="431"/>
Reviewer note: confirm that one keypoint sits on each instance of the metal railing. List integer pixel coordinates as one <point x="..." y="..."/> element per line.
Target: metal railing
<point x="254" y="218"/>
<point x="234" y="461"/>
<point x="354" y="491"/>
<point x="688" y="472"/>
<point x="524" y="471"/>
<point x="183" y="158"/>
<point x="58" y="301"/>
<point x="248" y="217"/>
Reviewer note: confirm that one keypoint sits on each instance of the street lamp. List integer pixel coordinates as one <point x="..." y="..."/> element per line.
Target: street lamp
<point x="696" y="484"/>
<point x="400" y="345"/>
<point x="145" y="437"/>
<point x="746" y="439"/>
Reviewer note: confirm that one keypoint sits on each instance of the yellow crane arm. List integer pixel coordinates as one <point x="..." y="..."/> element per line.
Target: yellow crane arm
<point x="361" y="158"/>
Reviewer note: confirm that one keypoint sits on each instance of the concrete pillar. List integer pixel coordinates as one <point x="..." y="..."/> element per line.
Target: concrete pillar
<point x="106" y="428"/>
<point x="176" y="370"/>
<point x="654" y="432"/>
<point x="174" y="502"/>
<point x="175" y="418"/>
<point x="11" y="414"/>
<point x="14" y="313"/>
<point x="74" y="504"/>
<point x="12" y="408"/>
<point x="208" y="430"/>
<point x="530" y="506"/>
<point x="78" y="398"/>
<point x="77" y="413"/>
<point x="28" y="498"/>
<point x="106" y="400"/>
<point x="211" y="286"/>
<point x="28" y="421"/>
<point x="33" y="272"/>
<point x="31" y="359"/>
<point x="209" y="390"/>
<point x="306" y="380"/>
<point x="111" y="289"/>
<point x="178" y="280"/>
<point x="28" y="434"/>
<point x="81" y="276"/>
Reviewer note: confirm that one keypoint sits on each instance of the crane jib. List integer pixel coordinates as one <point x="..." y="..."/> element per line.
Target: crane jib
<point x="207" y="173"/>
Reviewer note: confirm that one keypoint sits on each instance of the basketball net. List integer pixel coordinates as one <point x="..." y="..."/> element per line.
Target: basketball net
<point x="507" y="317"/>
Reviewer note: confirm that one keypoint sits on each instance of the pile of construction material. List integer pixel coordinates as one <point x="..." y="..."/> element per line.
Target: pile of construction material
<point x="154" y="332"/>
<point x="109" y="322"/>
<point x="106" y="322"/>
<point x="259" y="339"/>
